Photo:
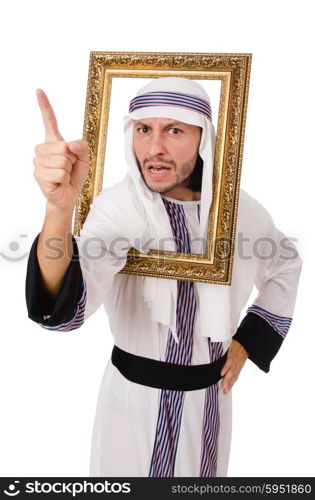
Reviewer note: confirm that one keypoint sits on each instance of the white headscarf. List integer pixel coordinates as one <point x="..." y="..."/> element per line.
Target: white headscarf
<point x="161" y="294"/>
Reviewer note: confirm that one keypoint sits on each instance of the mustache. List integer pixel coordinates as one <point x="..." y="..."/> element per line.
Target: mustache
<point x="159" y="160"/>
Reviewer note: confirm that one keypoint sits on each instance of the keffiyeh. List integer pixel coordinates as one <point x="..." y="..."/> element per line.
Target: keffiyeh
<point x="186" y="101"/>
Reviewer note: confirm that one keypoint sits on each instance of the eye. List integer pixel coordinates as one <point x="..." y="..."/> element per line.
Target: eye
<point x="175" y="131"/>
<point x="143" y="129"/>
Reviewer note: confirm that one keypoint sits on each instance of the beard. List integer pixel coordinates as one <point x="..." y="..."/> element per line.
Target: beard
<point x="183" y="175"/>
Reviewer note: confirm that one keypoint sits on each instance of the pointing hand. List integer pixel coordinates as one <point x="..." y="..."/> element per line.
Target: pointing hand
<point x="61" y="168"/>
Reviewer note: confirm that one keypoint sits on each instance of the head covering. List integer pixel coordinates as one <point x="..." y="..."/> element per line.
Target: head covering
<point x="183" y="100"/>
<point x="186" y="101"/>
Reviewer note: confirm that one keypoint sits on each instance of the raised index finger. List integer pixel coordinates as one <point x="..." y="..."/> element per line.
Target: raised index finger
<point x="49" y="118"/>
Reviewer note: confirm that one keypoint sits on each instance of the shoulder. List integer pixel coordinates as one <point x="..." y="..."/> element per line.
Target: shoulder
<point x="252" y="215"/>
<point x="118" y="198"/>
<point x="121" y="188"/>
<point x="116" y="211"/>
<point x="246" y="202"/>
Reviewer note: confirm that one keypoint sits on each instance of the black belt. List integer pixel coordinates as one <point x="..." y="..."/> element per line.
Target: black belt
<point x="162" y="375"/>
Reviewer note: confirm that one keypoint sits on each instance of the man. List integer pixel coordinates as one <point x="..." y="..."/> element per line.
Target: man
<point x="162" y="408"/>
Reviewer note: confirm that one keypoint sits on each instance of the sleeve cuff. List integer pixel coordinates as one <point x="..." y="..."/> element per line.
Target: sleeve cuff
<point x="260" y="340"/>
<point x="41" y="307"/>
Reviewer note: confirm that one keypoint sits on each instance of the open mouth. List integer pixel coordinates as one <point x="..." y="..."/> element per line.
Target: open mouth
<point x="158" y="171"/>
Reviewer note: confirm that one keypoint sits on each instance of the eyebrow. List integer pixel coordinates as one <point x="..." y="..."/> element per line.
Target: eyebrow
<point x="168" y="125"/>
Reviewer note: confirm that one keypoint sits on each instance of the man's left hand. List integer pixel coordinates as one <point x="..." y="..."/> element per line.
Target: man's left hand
<point x="236" y="357"/>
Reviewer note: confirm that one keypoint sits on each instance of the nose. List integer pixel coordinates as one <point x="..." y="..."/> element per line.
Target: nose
<point x="156" y="144"/>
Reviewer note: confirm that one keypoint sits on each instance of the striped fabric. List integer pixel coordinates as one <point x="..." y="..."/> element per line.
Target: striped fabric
<point x="172" y="402"/>
<point x="280" y="324"/>
<point x="177" y="99"/>
<point x="198" y="211"/>
<point x="211" y="421"/>
<point x="78" y="316"/>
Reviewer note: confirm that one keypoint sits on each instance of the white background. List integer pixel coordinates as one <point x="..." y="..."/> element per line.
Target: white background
<point x="49" y="381"/>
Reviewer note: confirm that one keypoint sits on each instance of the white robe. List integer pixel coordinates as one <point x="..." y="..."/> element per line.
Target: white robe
<point x="126" y="414"/>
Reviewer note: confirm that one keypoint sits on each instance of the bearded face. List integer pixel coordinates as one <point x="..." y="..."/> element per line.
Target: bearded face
<point x="166" y="151"/>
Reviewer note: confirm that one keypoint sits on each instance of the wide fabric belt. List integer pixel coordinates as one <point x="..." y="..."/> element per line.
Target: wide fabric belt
<point x="162" y="375"/>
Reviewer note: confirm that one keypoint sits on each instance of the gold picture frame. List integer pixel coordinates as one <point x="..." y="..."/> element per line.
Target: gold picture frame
<point x="233" y="70"/>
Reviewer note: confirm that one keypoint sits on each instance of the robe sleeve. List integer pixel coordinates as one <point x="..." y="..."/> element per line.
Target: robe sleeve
<point x="264" y="328"/>
<point x="66" y="311"/>
<point x="99" y="253"/>
<point x="103" y="253"/>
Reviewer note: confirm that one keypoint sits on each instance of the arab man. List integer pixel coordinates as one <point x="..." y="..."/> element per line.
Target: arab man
<point x="164" y="406"/>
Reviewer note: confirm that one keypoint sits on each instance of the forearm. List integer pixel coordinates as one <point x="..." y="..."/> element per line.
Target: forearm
<point x="54" y="249"/>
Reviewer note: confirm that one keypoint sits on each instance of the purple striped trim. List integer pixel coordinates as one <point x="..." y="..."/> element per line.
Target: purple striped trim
<point x="167" y="434"/>
<point x="171" y="99"/>
<point x="78" y="317"/>
<point x="198" y="212"/>
<point x="279" y="323"/>
<point x="172" y="402"/>
<point x="211" y="421"/>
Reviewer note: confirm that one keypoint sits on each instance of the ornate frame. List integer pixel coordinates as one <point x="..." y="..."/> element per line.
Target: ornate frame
<point x="233" y="70"/>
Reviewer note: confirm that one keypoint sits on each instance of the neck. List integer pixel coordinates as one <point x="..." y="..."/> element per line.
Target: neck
<point x="183" y="194"/>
